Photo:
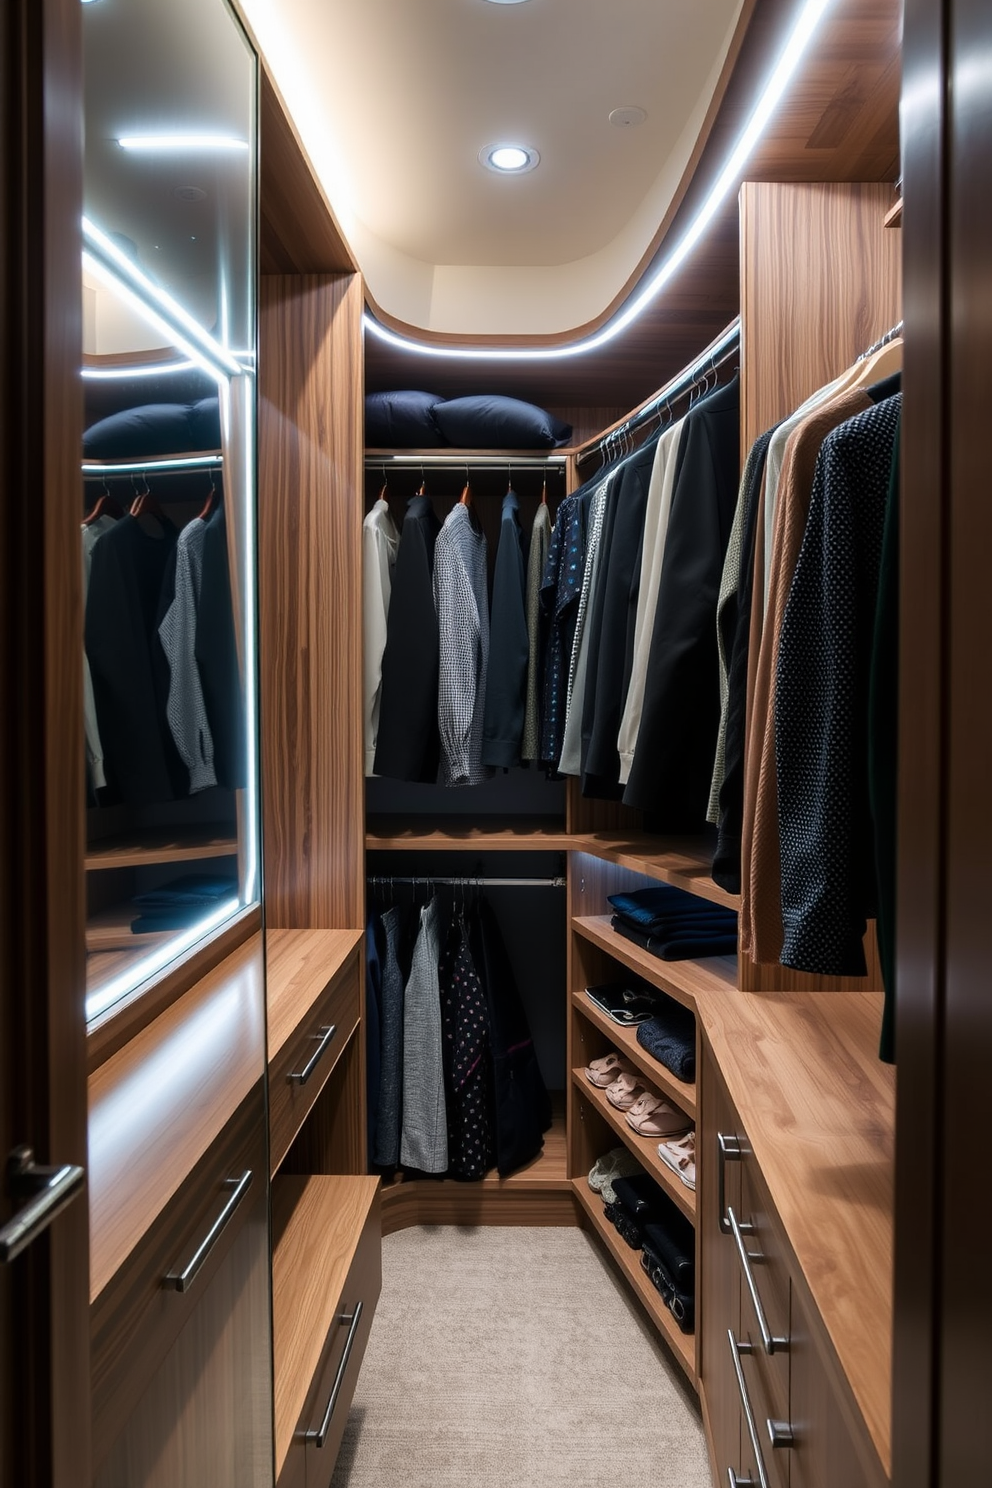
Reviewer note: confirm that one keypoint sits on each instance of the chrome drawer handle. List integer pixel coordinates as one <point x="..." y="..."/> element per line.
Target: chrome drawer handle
<point x="733" y="1481"/>
<point x="736" y="1350"/>
<point x="300" y="1077"/>
<point x="181" y="1281"/>
<point x="45" y="1191"/>
<point x="781" y="1435"/>
<point x="319" y="1436"/>
<point x="769" y="1342"/>
<point x="728" y="1150"/>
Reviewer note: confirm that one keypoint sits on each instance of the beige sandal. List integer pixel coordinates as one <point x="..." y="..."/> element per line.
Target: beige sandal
<point x="603" y="1072"/>
<point x="652" y="1116"/>
<point x="624" y="1091"/>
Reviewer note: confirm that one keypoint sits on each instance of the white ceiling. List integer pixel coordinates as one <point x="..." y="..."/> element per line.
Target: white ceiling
<point x="394" y="99"/>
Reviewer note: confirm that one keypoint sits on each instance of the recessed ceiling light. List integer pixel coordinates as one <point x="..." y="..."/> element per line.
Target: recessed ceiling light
<point x="181" y="142"/>
<point x="505" y="2"/>
<point x="628" y="118"/>
<point x="509" y="160"/>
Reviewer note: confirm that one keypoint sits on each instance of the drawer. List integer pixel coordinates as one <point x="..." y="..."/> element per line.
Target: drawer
<point x="139" y="1314"/>
<point x="300" y="1069"/>
<point x="776" y="1461"/>
<point x="765" y="1291"/>
<point x="324" y="1416"/>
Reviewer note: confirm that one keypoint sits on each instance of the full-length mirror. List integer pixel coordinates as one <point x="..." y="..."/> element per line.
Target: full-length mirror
<point x="168" y="485"/>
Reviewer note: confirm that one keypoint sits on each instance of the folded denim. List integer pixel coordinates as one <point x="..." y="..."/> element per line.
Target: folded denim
<point x="644" y="906"/>
<point x="626" y="1227"/>
<point x="682" y="949"/>
<point x="681" y="1304"/>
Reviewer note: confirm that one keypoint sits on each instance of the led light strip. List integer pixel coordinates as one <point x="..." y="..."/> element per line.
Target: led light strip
<point x="129" y="981"/>
<point x="103" y="257"/>
<point x="786" y="65"/>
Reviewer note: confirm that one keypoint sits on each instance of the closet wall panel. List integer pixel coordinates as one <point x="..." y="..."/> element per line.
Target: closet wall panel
<point x="820" y="281"/>
<point x="310" y="625"/>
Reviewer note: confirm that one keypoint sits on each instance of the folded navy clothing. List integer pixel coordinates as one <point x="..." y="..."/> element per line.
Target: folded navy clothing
<point x="670" y="1037"/>
<point x="179" y="919"/>
<point x="666" y="911"/>
<point x="684" y="948"/>
<point x="196" y="890"/>
<point x="701" y="925"/>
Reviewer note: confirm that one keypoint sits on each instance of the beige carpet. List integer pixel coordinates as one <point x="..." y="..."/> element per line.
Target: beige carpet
<point x="513" y="1358"/>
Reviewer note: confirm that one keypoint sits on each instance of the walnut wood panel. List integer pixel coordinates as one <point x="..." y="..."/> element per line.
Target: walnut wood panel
<point x="825" y="1453"/>
<point x="719" y="1274"/>
<point x="645" y="1149"/>
<point x="838" y="121"/>
<point x="334" y="1137"/>
<point x="771" y="977"/>
<point x="310" y="598"/>
<point x="135" y="1319"/>
<point x="44" y="1332"/>
<point x="162" y="845"/>
<point x="158" y="1103"/>
<point x="481" y="833"/>
<point x="325" y="1241"/>
<point x="681" y="1345"/>
<point x="300" y="966"/>
<point x="337" y="1006"/>
<point x="298" y="233"/>
<point x="820" y="282"/>
<point x="624" y="1040"/>
<point x="818" y="1110"/>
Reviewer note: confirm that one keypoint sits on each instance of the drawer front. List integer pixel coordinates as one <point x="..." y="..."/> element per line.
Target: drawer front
<point x="765" y="1285"/>
<point x="757" y="1416"/>
<point x="330" y="1397"/>
<point x="140" y="1313"/>
<point x="301" y="1068"/>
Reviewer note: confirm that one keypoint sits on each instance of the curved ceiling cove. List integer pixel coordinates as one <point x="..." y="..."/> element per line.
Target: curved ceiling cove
<point x="395" y="103"/>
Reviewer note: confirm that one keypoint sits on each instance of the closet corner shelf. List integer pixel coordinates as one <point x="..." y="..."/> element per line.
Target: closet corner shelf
<point x="689" y="982"/>
<point x="893" y="217"/>
<point x="483" y="834"/>
<point x="299" y="965"/>
<point x="685" y="862"/>
<point x="682" y="1345"/>
<point x="625" y="1041"/>
<point x="317" y="1224"/>
<point x="162" y="845"/>
<point x="645" y="1149"/>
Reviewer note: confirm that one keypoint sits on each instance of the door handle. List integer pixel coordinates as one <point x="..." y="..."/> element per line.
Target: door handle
<point x="43" y="1193"/>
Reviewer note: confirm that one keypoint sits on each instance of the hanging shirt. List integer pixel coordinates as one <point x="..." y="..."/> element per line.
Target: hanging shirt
<point x="822" y="699"/>
<point x="560" y="589"/>
<point x="380" y="544"/>
<point x="506" y="678"/>
<point x="91" y="534"/>
<point x="468" y="1061"/>
<point x="408" y="745"/>
<point x="571" y="746"/>
<point x="389" y="1117"/>
<point x="424" y="1140"/>
<point x="217" y="658"/>
<point x="540" y="538"/>
<point x="185" y="708"/>
<point x="460" y="593"/>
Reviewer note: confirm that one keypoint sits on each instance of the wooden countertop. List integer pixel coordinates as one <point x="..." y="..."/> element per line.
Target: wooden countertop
<point x="299" y="964"/>
<point x="157" y="1104"/>
<point x="818" y="1107"/>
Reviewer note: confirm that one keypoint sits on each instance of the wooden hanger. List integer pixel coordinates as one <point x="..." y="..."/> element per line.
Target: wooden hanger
<point x="881" y="364"/>
<point x="106" y="506"/>
<point x="544" y="491"/>
<point x="466" y="497"/>
<point x="210" y="505"/>
<point x="144" y="504"/>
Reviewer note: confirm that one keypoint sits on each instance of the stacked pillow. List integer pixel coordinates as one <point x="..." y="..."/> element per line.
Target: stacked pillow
<point x="416" y="420"/>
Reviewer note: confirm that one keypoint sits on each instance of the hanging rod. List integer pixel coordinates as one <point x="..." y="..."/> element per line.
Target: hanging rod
<point x="726" y="345"/>
<point x="459" y="462"/>
<point x="469" y="882"/>
<point x="173" y="464"/>
<point x="890" y="335"/>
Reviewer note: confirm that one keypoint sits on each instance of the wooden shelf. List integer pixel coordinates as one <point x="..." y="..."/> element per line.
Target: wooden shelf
<point x="685" y="862"/>
<point x="454" y="454"/>
<point x="689" y="982"/>
<point x="482" y="834"/>
<point x="645" y="1149"/>
<point x="683" y="1093"/>
<point x="110" y="930"/>
<point x="682" y="1345"/>
<point x="299" y="965"/>
<point x="893" y="217"/>
<point x="317" y="1224"/>
<point x="162" y="845"/>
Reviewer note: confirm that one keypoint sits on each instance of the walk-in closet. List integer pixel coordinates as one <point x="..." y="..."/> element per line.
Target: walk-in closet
<point x="492" y="906"/>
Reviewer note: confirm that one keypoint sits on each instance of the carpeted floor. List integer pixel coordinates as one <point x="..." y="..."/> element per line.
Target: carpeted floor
<point x="513" y="1358"/>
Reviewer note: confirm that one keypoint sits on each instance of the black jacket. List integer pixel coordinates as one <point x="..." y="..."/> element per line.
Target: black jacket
<point x="408" y="746"/>
<point x="673" y="761"/>
<point x="509" y="648"/>
<point x="217" y="658"/>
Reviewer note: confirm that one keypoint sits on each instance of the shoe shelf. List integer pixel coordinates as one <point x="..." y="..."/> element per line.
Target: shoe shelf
<point x="682" y="1345"/>
<point x="687" y="981"/>
<point x="456" y="834"/>
<point x="624" y="1040"/>
<point x="645" y="1149"/>
<point x="684" y="862"/>
<point x="162" y="845"/>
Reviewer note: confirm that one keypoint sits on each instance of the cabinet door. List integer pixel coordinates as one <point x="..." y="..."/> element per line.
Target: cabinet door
<point x="719" y="1289"/>
<point x="824" y="1454"/>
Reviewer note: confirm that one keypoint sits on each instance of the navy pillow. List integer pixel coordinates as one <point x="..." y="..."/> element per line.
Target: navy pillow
<point x="490" y="422"/>
<point x="401" y="421"/>
<point x="155" y="429"/>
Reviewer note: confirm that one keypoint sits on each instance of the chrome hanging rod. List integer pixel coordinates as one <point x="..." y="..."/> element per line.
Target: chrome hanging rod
<point x="552" y="461"/>
<point x="890" y="335"/>
<point x="172" y="464"/>
<point x="726" y="345"/>
<point x="387" y="881"/>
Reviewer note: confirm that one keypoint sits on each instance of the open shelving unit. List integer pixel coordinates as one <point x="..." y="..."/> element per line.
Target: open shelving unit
<point x="161" y="845"/>
<point x="682" y="1093"/>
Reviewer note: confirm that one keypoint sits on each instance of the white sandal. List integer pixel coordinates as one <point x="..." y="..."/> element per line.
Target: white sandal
<point x="681" y="1158"/>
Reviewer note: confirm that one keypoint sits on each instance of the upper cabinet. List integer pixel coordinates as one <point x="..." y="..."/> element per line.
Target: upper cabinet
<point x="168" y="470"/>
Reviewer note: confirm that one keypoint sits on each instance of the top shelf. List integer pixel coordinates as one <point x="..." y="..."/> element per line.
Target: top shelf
<point x="162" y="845"/>
<point x="684" y="862"/>
<point x="448" y="455"/>
<point x="482" y="834"/>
